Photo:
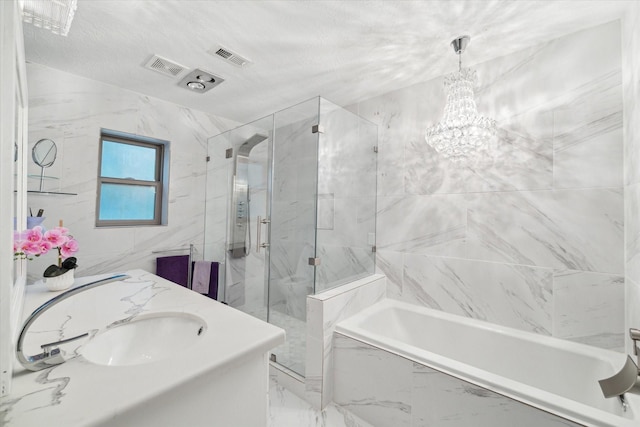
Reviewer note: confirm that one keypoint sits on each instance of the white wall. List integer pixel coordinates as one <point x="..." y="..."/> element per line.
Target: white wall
<point x="13" y="128"/>
<point x="531" y="234"/>
<point x="71" y="110"/>
<point x="631" y="86"/>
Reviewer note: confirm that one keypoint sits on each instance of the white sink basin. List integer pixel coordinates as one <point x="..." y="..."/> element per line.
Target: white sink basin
<point x="146" y="338"/>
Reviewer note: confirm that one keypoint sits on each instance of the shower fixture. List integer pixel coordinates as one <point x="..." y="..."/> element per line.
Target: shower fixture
<point x="461" y="129"/>
<point x="240" y="244"/>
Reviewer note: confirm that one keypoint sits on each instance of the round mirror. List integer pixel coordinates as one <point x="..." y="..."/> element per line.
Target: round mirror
<point x="44" y="153"/>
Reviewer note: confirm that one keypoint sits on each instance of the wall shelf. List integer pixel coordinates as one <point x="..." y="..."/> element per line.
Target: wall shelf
<point x="53" y="193"/>
<point x="43" y="177"/>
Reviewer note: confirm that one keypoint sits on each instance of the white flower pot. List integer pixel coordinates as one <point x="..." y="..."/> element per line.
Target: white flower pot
<point x="60" y="283"/>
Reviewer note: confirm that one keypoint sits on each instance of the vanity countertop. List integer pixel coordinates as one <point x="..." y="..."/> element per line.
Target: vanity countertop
<point x="81" y="393"/>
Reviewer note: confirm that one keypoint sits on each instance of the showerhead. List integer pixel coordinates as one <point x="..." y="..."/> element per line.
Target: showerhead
<point x="248" y="145"/>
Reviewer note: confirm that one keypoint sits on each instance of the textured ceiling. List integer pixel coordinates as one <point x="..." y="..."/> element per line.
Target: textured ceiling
<point x="345" y="51"/>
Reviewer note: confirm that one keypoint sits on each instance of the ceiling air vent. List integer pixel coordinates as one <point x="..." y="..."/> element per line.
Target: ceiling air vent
<point x="229" y="56"/>
<point x="164" y="66"/>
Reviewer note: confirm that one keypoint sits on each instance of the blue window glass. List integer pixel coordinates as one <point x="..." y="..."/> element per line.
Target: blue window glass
<point x="128" y="161"/>
<point x="131" y="180"/>
<point x="127" y="202"/>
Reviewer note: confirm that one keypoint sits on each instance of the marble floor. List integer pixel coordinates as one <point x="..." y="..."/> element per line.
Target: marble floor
<point x="292" y="353"/>
<point x="288" y="410"/>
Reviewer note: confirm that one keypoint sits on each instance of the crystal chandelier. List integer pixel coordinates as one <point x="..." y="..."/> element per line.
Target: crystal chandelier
<point x="53" y="15"/>
<point x="461" y="129"/>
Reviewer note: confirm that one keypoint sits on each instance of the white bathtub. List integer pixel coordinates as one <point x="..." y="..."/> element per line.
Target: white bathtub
<point x="553" y="375"/>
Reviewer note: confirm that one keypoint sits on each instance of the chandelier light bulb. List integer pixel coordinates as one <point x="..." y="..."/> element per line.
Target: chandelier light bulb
<point x="462" y="129"/>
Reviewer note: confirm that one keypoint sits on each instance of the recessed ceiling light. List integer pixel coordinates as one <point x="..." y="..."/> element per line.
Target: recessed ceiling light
<point x="199" y="81"/>
<point x="195" y="85"/>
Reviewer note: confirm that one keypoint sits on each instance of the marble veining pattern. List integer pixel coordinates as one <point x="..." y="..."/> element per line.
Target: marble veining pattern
<point x="631" y="97"/>
<point x="583" y="305"/>
<point x="72" y="110"/>
<point x="545" y="197"/>
<point x="418" y="396"/>
<point x="510" y="295"/>
<point x="579" y="229"/>
<point x="390" y="264"/>
<point x="324" y="311"/>
<point x="288" y="410"/>
<point x="60" y="393"/>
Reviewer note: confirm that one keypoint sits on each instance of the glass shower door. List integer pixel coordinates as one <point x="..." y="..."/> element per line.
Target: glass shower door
<point x="291" y="204"/>
<point x="293" y="227"/>
<point x="240" y="182"/>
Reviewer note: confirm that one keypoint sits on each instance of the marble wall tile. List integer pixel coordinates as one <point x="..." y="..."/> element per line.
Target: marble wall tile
<point x="514" y="161"/>
<point x="632" y="266"/>
<point x="342" y="264"/>
<point x="631" y="97"/>
<point x="631" y="85"/>
<point x="346" y="171"/>
<point x="632" y="310"/>
<point x="77" y="108"/>
<point x="544" y="197"/>
<point x="390" y="264"/>
<point x="346" y="159"/>
<point x="587" y="141"/>
<point x="324" y="311"/>
<point x="589" y="307"/>
<point x="512" y="91"/>
<point x="326" y="211"/>
<point x="288" y="295"/>
<point x="393" y="118"/>
<point x="314" y="377"/>
<point x="512" y="295"/>
<point x="246" y="282"/>
<point x="422" y="224"/>
<point x="344" y="304"/>
<point x="574" y="229"/>
<point x="371" y="383"/>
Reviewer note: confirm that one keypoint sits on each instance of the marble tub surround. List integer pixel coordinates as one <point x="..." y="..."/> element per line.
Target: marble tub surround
<point x="413" y="395"/>
<point x="78" y="392"/>
<point x="324" y="311"/>
<point x="535" y="220"/>
<point x="396" y="364"/>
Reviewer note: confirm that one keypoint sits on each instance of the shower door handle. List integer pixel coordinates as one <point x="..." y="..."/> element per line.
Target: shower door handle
<point x="259" y="234"/>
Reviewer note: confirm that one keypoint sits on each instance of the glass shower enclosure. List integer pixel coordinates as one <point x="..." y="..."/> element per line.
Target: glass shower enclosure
<point x="290" y="212"/>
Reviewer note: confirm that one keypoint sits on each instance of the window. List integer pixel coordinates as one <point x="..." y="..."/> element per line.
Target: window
<point x="131" y="180"/>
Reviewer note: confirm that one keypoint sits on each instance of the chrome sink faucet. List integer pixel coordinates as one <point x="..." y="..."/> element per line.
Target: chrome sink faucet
<point x="51" y="355"/>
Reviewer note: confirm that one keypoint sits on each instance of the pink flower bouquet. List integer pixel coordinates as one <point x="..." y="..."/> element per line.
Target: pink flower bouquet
<point x="36" y="242"/>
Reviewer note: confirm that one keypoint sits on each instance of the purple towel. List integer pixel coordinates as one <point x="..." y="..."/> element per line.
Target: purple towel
<point x="201" y="277"/>
<point x="174" y="268"/>
<point x="213" y="281"/>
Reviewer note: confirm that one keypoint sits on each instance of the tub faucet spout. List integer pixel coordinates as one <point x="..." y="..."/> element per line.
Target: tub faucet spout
<point x="51" y="355"/>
